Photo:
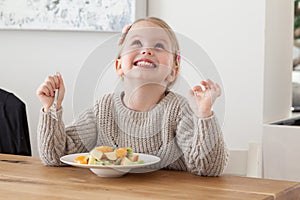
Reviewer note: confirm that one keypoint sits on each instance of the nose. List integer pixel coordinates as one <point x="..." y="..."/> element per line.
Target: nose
<point x="147" y="51"/>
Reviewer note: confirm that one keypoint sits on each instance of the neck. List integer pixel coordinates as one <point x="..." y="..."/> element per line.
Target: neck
<point x="143" y="97"/>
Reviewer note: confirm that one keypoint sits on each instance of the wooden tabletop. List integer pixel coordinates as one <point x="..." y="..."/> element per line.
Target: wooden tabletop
<point x="24" y="177"/>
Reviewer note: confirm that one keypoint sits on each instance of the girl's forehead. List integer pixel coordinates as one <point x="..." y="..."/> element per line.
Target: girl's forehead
<point x="149" y="33"/>
<point x="148" y="30"/>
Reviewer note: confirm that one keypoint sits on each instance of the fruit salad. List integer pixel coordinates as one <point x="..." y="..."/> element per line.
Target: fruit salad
<point x="105" y="155"/>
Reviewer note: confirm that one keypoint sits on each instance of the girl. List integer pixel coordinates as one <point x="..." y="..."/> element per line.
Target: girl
<point x="146" y="116"/>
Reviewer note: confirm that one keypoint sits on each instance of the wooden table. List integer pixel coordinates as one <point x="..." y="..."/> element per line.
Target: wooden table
<point x="24" y="177"/>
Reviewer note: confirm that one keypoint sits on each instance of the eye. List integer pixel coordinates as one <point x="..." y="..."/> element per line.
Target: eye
<point x="159" y="46"/>
<point x="136" y="43"/>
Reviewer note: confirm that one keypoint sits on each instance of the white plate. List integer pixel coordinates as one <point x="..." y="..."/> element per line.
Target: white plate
<point x="113" y="170"/>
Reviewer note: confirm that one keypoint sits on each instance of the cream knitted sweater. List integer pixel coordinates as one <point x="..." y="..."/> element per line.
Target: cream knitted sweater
<point x="169" y="130"/>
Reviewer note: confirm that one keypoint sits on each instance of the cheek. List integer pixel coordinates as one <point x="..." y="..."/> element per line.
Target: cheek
<point x="129" y="57"/>
<point x="127" y="60"/>
<point x="167" y="60"/>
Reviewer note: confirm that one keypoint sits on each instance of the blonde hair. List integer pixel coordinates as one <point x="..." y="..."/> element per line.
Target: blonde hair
<point x="160" y="23"/>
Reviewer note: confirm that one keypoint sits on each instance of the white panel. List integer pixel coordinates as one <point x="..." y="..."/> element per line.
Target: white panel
<point x="281" y="152"/>
<point x="254" y="158"/>
<point x="278" y="59"/>
<point x="237" y="163"/>
<point x="245" y="162"/>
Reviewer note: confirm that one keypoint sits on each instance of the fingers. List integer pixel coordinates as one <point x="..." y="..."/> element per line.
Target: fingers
<point x="218" y="89"/>
<point x="214" y="87"/>
<point x="197" y="89"/>
<point x="50" y="84"/>
<point x="62" y="89"/>
<point x="207" y="85"/>
<point x="60" y="81"/>
<point x="204" y="85"/>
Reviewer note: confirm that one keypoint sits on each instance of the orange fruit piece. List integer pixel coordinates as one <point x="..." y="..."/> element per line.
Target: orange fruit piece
<point x="81" y="160"/>
<point x="105" y="149"/>
<point x="121" y="152"/>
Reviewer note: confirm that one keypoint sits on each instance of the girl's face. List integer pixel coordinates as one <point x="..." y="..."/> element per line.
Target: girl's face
<point x="147" y="54"/>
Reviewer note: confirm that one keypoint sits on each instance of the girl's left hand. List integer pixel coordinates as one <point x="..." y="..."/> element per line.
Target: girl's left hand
<point x="205" y="98"/>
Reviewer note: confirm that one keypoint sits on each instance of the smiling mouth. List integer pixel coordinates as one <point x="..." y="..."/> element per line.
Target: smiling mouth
<point x="144" y="64"/>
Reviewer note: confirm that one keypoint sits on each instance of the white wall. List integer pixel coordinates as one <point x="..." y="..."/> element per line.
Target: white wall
<point x="232" y="32"/>
<point x="27" y="57"/>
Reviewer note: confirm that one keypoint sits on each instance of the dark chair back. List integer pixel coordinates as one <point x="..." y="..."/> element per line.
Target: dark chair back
<point x="14" y="133"/>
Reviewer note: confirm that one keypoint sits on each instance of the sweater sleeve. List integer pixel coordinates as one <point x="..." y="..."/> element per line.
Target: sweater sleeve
<point x="56" y="140"/>
<point x="202" y="144"/>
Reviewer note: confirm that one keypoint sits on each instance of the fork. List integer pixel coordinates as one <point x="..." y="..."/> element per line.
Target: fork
<point x="53" y="107"/>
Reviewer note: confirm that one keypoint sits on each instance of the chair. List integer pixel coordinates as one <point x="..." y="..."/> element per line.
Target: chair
<point x="14" y="133"/>
<point x="245" y="162"/>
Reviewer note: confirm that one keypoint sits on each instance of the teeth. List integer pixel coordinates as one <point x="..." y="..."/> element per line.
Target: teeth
<point x="145" y="64"/>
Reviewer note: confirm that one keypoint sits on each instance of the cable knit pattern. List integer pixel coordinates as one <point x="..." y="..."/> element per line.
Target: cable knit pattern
<point x="169" y="130"/>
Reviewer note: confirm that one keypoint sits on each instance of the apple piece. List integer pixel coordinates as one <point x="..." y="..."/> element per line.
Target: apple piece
<point x="126" y="161"/>
<point x="134" y="158"/>
<point x="118" y="161"/>
<point x="111" y="155"/>
<point x="92" y="160"/>
<point x="96" y="154"/>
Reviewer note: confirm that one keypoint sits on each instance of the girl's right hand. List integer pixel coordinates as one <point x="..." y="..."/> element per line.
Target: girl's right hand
<point x="46" y="91"/>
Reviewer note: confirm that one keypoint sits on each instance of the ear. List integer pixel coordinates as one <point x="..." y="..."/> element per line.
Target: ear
<point x="119" y="67"/>
<point x="174" y="72"/>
